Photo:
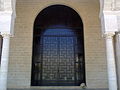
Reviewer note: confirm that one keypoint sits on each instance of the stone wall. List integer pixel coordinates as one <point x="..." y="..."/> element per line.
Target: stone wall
<point x="21" y="44"/>
<point x="118" y="4"/>
<point x="118" y="22"/>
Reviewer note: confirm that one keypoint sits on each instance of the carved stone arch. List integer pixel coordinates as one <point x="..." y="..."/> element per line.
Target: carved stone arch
<point x="59" y="3"/>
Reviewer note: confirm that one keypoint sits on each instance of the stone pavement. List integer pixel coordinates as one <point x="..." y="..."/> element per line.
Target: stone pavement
<point x="59" y="88"/>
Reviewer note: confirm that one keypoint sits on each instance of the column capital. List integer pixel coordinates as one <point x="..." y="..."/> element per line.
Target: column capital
<point x="109" y="35"/>
<point x="118" y="34"/>
<point x="5" y="35"/>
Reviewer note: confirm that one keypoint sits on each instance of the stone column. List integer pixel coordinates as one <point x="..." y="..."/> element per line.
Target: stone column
<point x="112" y="77"/>
<point x="117" y="47"/>
<point x="4" y="62"/>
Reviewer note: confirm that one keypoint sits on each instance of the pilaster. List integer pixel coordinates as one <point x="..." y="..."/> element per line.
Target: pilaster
<point x="7" y="18"/>
<point x="109" y="25"/>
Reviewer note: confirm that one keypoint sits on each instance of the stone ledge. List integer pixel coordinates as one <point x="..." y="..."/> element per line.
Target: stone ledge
<point x="58" y="89"/>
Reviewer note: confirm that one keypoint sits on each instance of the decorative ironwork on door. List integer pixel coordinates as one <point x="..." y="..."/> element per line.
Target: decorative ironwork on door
<point x="58" y="58"/>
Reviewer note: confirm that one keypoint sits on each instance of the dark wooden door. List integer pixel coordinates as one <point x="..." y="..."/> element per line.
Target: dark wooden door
<point x="56" y="59"/>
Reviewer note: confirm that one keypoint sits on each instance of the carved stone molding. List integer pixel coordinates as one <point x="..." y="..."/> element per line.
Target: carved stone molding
<point x="8" y="5"/>
<point x="1" y="5"/>
<point x="115" y="6"/>
<point x="5" y="35"/>
<point x="109" y="35"/>
<point x="109" y="23"/>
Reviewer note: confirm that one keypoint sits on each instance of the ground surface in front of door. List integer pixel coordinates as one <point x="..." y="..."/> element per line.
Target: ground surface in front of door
<point x="58" y="88"/>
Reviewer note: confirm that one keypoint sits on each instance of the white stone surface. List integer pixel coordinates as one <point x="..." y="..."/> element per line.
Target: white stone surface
<point x="118" y="21"/>
<point x="5" y="22"/>
<point x="110" y="23"/>
<point x="4" y="62"/>
<point x="111" y="65"/>
<point x="7" y="16"/>
<point x="117" y="2"/>
<point x="117" y="49"/>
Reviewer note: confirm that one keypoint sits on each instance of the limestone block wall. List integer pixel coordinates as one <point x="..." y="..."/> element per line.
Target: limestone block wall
<point x="19" y="75"/>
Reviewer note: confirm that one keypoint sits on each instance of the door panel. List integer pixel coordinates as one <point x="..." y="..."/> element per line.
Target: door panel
<point x="50" y="61"/>
<point x="66" y="61"/>
<point x="58" y="60"/>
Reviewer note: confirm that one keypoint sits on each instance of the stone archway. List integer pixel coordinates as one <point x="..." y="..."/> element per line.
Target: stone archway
<point x="58" y="48"/>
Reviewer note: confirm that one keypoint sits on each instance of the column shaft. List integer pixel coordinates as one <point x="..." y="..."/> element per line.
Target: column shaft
<point x="4" y="62"/>
<point x="111" y="63"/>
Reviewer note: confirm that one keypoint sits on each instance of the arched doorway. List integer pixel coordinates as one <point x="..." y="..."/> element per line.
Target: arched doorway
<point x="58" y="48"/>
